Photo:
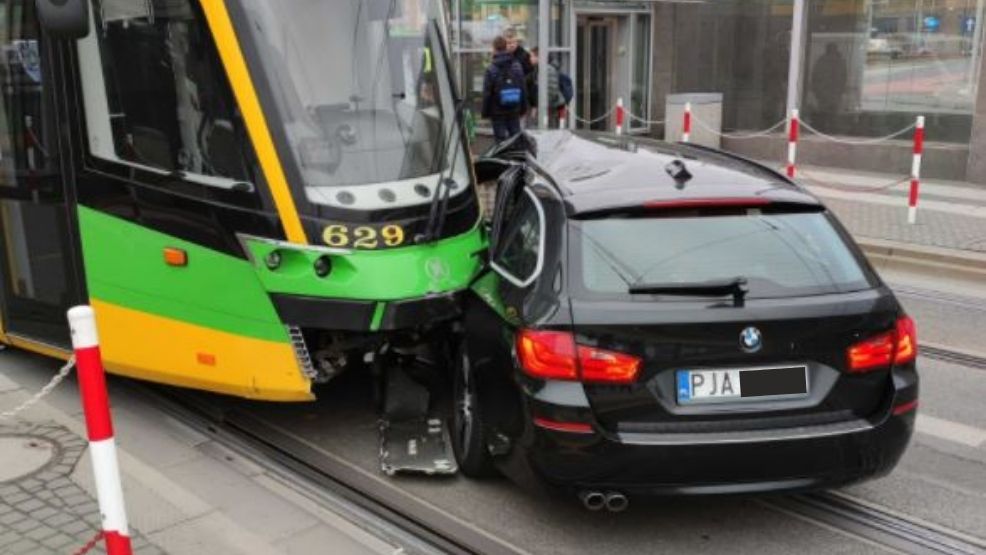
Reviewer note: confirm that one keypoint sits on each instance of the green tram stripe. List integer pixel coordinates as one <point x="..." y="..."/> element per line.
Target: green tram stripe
<point x="125" y="266"/>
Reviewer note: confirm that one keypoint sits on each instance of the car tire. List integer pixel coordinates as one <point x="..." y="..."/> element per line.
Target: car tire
<point x="468" y="428"/>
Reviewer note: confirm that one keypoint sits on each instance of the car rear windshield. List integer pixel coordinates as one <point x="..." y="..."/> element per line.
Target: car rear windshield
<point x="779" y="255"/>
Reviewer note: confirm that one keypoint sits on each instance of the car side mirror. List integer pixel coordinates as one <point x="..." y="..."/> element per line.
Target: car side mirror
<point x="64" y="19"/>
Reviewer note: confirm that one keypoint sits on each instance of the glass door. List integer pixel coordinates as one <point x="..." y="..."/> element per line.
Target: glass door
<point x="604" y="68"/>
<point x="640" y="76"/>
<point x="594" y="50"/>
<point x="38" y="283"/>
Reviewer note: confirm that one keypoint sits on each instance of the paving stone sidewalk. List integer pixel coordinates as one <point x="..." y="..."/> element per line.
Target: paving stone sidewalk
<point x="43" y="511"/>
<point x="185" y="492"/>
<point x="935" y="229"/>
<point x="950" y="215"/>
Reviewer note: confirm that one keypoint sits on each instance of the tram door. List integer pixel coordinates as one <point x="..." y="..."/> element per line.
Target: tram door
<point x="38" y="283"/>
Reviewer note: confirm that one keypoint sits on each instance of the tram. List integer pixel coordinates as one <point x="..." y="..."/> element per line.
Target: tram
<point x="252" y="195"/>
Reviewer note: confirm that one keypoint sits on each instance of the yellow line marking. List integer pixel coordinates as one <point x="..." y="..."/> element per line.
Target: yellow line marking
<point x="253" y="115"/>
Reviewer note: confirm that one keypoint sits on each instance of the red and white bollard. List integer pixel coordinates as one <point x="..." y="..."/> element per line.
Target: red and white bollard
<point x="793" y="130"/>
<point x="912" y="200"/>
<point x="99" y="424"/>
<point x="686" y="123"/>
<point x="620" y="116"/>
<point x="563" y="117"/>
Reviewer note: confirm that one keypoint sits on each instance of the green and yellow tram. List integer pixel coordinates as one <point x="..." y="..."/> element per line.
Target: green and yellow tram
<point x="252" y="194"/>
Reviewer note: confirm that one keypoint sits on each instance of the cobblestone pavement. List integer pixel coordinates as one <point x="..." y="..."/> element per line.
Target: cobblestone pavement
<point x="937" y="229"/>
<point x="44" y="511"/>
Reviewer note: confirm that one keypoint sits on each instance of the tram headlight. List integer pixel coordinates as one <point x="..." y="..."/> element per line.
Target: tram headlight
<point x="323" y="266"/>
<point x="273" y="260"/>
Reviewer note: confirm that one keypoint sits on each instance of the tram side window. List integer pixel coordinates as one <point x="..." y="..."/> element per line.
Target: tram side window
<point x="25" y="126"/>
<point x="156" y="95"/>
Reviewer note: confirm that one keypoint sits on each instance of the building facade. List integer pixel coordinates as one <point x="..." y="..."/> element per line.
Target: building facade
<point x="861" y="69"/>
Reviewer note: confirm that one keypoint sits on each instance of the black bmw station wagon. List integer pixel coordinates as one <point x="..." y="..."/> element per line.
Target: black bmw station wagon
<point x="667" y="319"/>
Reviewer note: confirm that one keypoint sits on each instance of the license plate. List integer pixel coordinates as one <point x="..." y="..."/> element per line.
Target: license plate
<point x="741" y="384"/>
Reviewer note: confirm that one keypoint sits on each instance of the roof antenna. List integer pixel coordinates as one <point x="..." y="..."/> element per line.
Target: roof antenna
<point x="679" y="172"/>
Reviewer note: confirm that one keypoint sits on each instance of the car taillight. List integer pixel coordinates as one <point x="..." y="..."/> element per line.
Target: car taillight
<point x="907" y="341"/>
<point x="607" y="366"/>
<point x="547" y="354"/>
<point x="554" y="355"/>
<point x="897" y="346"/>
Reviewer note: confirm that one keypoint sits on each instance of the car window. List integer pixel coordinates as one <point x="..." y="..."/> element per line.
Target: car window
<point x="780" y="255"/>
<point x="520" y="248"/>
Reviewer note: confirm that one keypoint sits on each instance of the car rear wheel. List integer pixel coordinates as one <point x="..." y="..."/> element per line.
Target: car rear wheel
<point x="468" y="429"/>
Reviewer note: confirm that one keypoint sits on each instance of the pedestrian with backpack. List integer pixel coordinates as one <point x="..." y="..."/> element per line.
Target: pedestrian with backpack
<point x="556" y="101"/>
<point x="504" y="95"/>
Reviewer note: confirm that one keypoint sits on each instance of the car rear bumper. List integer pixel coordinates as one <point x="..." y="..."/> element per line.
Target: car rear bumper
<point x="786" y="459"/>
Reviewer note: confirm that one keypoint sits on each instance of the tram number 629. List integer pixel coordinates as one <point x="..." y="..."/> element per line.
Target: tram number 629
<point x="363" y="237"/>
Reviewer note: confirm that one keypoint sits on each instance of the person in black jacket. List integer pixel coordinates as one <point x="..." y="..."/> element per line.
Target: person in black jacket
<point x="514" y="47"/>
<point x="504" y="92"/>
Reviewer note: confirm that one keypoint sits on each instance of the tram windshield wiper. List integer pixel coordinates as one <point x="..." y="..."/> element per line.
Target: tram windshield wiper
<point x="445" y="185"/>
<point x="737" y="287"/>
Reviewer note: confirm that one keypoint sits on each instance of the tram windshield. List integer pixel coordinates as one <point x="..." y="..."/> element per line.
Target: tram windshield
<point x="362" y="90"/>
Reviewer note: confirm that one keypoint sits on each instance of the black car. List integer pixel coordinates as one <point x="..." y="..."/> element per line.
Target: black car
<point x="667" y="319"/>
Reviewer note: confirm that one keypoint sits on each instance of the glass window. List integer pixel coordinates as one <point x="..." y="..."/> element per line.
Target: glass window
<point x="518" y="256"/>
<point x="482" y="21"/>
<point x="156" y="95"/>
<point x="25" y="125"/>
<point x="640" y="87"/>
<point x="739" y="48"/>
<point x="363" y="92"/>
<point x="871" y="67"/>
<point x="560" y="30"/>
<point x="780" y="255"/>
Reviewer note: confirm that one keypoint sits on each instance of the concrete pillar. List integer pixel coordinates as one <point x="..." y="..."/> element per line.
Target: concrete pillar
<point x="976" y="168"/>
<point x="662" y="43"/>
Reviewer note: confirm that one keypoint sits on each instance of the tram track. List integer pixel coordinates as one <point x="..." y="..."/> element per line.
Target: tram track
<point x="961" y="358"/>
<point x="879" y="525"/>
<point x="417" y="526"/>
<point x="421" y="527"/>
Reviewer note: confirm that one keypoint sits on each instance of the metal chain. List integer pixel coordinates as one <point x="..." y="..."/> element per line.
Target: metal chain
<point x="738" y="136"/>
<point x="822" y="182"/>
<point x="872" y="141"/>
<point x="645" y="121"/>
<point x="591" y="121"/>
<point x="57" y="379"/>
<point x="90" y="545"/>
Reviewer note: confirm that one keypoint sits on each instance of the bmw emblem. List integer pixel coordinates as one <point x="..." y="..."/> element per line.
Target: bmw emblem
<point x="751" y="340"/>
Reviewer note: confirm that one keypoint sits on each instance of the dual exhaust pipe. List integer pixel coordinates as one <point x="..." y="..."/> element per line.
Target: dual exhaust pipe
<point x="612" y="501"/>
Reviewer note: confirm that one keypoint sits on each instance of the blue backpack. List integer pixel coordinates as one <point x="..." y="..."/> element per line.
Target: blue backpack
<point x="507" y="93"/>
<point x="565" y="87"/>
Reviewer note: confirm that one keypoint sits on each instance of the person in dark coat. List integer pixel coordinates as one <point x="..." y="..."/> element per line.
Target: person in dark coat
<point x="514" y="47"/>
<point x="504" y="95"/>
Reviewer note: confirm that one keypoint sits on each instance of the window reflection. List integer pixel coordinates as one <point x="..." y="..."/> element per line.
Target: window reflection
<point x="156" y="95"/>
<point x="871" y="67"/>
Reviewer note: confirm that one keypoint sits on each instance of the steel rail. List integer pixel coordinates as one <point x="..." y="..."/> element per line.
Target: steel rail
<point x="955" y="357"/>
<point x="421" y="527"/>
<point x="412" y="522"/>
<point x="878" y="525"/>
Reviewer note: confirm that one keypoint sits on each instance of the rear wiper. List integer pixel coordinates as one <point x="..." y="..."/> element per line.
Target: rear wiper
<point x="716" y="288"/>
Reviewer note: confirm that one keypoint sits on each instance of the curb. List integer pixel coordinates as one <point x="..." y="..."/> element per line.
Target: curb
<point x="971" y="263"/>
